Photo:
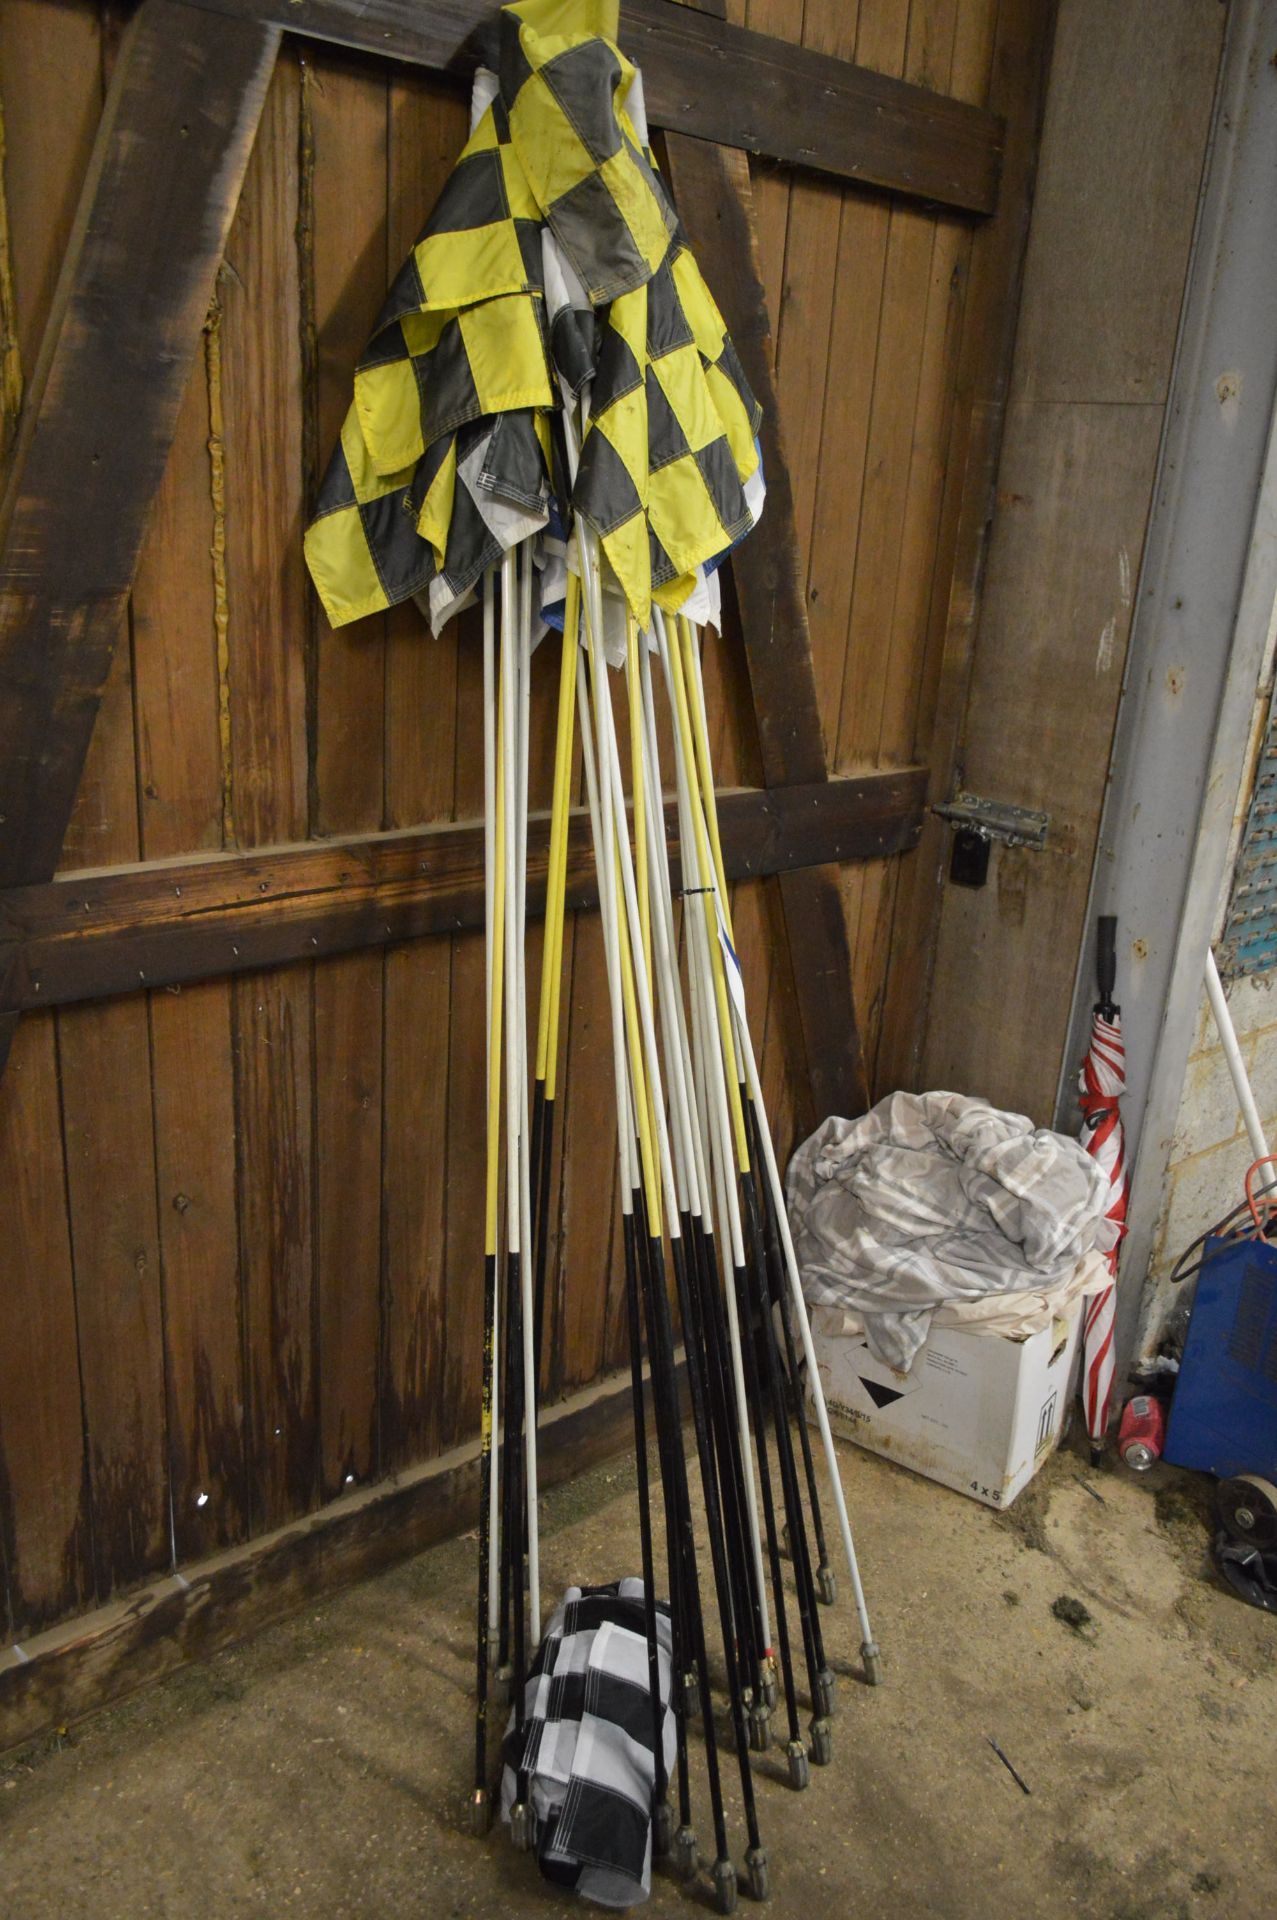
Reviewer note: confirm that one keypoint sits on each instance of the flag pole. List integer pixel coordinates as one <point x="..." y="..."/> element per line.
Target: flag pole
<point x="494" y="886"/>
<point x="543" y="1104"/>
<point x="729" y="995"/>
<point x="826" y="1587"/>
<point x="645" y="1034"/>
<point x="723" y="1342"/>
<point x="629" y="1151"/>
<point x="715" y="1028"/>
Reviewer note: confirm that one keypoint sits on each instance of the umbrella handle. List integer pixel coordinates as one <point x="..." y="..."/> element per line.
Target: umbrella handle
<point x="1106" y="962"/>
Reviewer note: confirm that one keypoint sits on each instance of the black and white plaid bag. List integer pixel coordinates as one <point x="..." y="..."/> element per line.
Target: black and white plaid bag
<point x="587" y="1743"/>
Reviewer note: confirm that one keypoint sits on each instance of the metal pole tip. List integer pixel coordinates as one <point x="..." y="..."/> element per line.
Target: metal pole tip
<point x="756" y="1873"/>
<point x="522" y="1827"/>
<point x="725" y="1886"/>
<point x="686" y="1856"/>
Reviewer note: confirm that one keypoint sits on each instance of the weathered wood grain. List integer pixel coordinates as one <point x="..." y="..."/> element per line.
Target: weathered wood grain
<point x="51" y="79"/>
<point x="260" y="294"/>
<point x="368" y="730"/>
<point x="1093" y="361"/>
<point x="427" y="130"/>
<point x="45" y="1501"/>
<point x="110" y="1164"/>
<point x="199" y="1250"/>
<point x="1017" y="88"/>
<point x="711" y="186"/>
<point x="880" y="662"/>
<point x="344" y="130"/>
<point x="719" y="82"/>
<point x="62" y="1674"/>
<point x="106" y="392"/>
<point x="87" y="935"/>
<point x="180" y="809"/>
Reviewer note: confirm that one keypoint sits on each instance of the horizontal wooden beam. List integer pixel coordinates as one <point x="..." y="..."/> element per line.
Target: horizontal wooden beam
<point x="705" y="77"/>
<point x="74" y="1668"/>
<point x="118" y="929"/>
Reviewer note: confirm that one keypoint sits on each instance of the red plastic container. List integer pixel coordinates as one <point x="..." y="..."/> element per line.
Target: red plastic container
<point x="1142" y="1434"/>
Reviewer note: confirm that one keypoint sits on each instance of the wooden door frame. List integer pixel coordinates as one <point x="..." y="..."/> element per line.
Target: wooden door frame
<point x="163" y="182"/>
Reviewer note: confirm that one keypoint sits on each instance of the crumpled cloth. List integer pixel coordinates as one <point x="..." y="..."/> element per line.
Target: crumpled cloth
<point x="938" y="1197"/>
<point x="1011" y="1316"/>
<point x="586" y="1745"/>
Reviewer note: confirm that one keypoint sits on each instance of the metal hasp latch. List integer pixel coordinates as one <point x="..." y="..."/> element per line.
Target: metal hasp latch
<point x="978" y="823"/>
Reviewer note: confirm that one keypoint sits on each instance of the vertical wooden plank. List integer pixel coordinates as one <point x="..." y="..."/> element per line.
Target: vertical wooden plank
<point x="770" y="180"/>
<point x="148" y="244"/>
<point x="872" y="660"/>
<point x="50" y="75"/>
<point x="428" y="128"/>
<point x="203" y="1327"/>
<point x="10" y="353"/>
<point x="1075" y="480"/>
<point x="109" y="1143"/>
<point x="182" y="806"/>
<point x="55" y="112"/>
<point x="898" y="364"/>
<point x="848" y="375"/>
<point x="348" y="1070"/>
<point x="826" y="480"/>
<point x="802" y="321"/>
<point x="900" y="42"/>
<point x="181" y="810"/>
<point x="51" y="78"/>
<point x="267" y="612"/>
<point x="262" y="406"/>
<point x="907" y="682"/>
<point x="108" y="782"/>
<point x="1017" y="84"/>
<point x="424" y="1024"/>
<point x="273" y="1087"/>
<point x="729" y="708"/>
<point x="175" y="648"/>
<point x="344" y="132"/>
<point x="104" y="816"/>
<point x="45" y="1501"/>
<point x="460" y="1316"/>
<point x="344" y="191"/>
<point x="414" y="1174"/>
<point x="110" y="1156"/>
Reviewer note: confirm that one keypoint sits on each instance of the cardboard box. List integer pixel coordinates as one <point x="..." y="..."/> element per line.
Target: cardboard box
<point x="977" y="1411"/>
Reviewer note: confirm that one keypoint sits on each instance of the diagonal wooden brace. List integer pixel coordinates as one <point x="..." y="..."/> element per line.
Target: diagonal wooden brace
<point x="712" y="189"/>
<point x="176" y="133"/>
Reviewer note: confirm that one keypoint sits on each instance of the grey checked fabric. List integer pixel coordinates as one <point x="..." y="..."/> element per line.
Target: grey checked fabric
<point x="587" y="1743"/>
<point x="936" y="1197"/>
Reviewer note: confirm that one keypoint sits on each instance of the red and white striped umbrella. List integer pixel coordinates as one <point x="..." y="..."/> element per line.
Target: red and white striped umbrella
<point x="1101" y="1083"/>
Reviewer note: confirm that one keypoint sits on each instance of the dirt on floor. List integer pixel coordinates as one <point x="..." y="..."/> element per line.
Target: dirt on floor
<point x="321" y="1769"/>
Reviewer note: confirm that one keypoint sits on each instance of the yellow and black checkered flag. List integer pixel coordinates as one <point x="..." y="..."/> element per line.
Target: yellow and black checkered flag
<point x="448" y="452"/>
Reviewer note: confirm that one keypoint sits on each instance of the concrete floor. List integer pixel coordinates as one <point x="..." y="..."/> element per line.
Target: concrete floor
<point x="321" y="1769"/>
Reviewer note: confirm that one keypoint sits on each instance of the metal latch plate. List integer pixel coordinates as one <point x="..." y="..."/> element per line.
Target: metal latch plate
<point x="996" y="820"/>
